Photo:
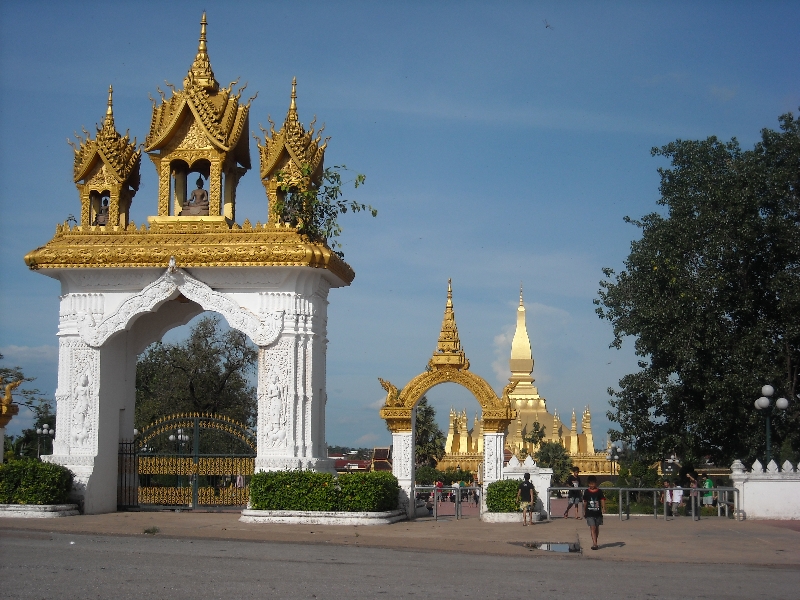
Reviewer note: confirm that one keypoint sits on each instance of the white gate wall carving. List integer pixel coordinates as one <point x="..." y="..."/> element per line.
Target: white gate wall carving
<point x="106" y="321"/>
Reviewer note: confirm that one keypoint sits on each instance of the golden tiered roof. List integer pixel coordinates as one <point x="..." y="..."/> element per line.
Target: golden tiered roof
<point x="215" y="241"/>
<point x="292" y="147"/>
<point x="118" y="153"/>
<point x="217" y="110"/>
<point x="449" y="354"/>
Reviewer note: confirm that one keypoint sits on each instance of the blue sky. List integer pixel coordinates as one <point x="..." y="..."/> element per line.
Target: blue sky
<point x="497" y="151"/>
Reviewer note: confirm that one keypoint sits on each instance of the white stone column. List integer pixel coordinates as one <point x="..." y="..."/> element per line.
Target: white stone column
<point x="403" y="468"/>
<point x="493" y="445"/>
<point x="291" y="381"/>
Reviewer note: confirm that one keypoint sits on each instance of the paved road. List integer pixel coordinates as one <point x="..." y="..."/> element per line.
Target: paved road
<point x="38" y="564"/>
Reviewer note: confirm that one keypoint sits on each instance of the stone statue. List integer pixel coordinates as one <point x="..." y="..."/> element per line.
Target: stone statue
<point x="197" y="203"/>
<point x="275" y="432"/>
<point x="101" y="218"/>
<point x="80" y="414"/>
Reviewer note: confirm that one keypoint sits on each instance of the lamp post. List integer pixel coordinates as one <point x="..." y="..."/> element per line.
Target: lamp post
<point x="615" y="452"/>
<point x="43" y="432"/>
<point x="180" y="439"/>
<point x="764" y="404"/>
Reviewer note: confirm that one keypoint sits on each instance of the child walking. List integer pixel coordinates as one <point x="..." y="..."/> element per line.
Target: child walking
<point x="594" y="505"/>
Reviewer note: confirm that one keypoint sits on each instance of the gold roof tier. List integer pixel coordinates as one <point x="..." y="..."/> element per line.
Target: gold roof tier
<point x="117" y="153"/>
<point x="197" y="242"/>
<point x="449" y="354"/>
<point x="217" y="110"/>
<point x="298" y="155"/>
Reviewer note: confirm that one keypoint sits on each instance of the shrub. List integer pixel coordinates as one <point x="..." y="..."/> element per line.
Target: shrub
<point x="32" y="482"/>
<point x="307" y="490"/>
<point x="293" y="490"/>
<point x="501" y="496"/>
<point x="426" y="475"/>
<point x="368" y="492"/>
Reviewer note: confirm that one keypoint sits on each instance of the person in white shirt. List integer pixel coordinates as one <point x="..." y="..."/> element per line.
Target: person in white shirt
<point x="677" y="500"/>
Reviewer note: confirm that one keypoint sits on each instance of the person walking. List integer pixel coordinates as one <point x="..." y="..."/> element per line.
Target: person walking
<point x="526" y="495"/>
<point x="708" y="495"/>
<point x="666" y="499"/>
<point x="594" y="505"/>
<point x="574" y="496"/>
<point x="694" y="495"/>
<point x="677" y="500"/>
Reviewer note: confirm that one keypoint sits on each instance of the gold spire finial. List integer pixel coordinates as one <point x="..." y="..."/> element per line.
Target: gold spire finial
<point x="292" y="120"/>
<point x="108" y="123"/>
<point x="201" y="46"/>
<point x="200" y="73"/>
<point x="109" y="111"/>
<point x="448" y="351"/>
<point x="521" y="362"/>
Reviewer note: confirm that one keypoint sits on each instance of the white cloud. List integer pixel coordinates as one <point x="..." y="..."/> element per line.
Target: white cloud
<point x="722" y="93"/>
<point x="378" y="404"/>
<point x="368" y="439"/>
<point x="23" y="354"/>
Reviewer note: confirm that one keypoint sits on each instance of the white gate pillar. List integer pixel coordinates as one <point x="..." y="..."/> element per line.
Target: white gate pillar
<point x="493" y="446"/>
<point x="403" y="468"/>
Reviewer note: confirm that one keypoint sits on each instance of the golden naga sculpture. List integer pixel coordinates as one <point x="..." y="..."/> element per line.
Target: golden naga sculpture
<point x="448" y="364"/>
<point x="8" y="408"/>
<point x="293" y="152"/>
<point x="106" y="173"/>
<point x="199" y="130"/>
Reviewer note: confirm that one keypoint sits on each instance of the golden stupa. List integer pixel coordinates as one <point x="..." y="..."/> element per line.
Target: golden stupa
<point x="464" y="445"/>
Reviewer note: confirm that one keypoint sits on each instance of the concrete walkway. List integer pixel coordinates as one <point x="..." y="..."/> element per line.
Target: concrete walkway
<point x="641" y="539"/>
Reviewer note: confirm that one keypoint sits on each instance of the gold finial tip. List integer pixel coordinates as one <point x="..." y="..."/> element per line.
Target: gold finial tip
<point x="293" y="104"/>
<point x="520" y="294"/>
<point x="109" y="110"/>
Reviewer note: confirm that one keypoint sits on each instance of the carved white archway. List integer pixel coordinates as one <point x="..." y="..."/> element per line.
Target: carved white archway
<point x="263" y="329"/>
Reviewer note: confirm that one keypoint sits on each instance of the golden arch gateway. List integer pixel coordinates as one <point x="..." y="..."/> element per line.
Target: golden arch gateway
<point x="124" y="285"/>
<point x="448" y="364"/>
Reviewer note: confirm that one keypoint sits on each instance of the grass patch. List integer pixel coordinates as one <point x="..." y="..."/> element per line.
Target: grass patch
<point x="151" y="530"/>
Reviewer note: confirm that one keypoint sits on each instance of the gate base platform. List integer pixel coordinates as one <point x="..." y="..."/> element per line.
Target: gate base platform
<point x="38" y="511"/>
<point x="311" y="517"/>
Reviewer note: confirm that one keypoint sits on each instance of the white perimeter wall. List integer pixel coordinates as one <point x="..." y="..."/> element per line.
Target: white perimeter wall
<point x="773" y="493"/>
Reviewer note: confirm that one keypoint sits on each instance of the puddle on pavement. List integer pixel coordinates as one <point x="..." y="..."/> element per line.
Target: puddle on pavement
<point x="560" y="547"/>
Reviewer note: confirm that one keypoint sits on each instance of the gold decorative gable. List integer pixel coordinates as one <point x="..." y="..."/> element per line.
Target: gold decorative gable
<point x="118" y="153"/>
<point x="292" y="150"/>
<point x="218" y="110"/>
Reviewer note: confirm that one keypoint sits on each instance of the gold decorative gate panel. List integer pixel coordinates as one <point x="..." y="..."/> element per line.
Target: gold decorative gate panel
<point x="182" y="460"/>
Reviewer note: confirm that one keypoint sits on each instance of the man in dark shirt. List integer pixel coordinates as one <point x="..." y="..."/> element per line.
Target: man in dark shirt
<point x="526" y="495"/>
<point x="594" y="505"/>
<point x="574" y="497"/>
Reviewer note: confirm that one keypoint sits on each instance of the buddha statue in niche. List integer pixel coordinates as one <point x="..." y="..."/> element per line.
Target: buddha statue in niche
<point x="101" y="218"/>
<point x="196" y="204"/>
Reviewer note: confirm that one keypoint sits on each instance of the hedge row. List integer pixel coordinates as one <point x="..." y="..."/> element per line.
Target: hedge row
<point x="29" y="481"/>
<point x="307" y="490"/>
<point x="501" y="496"/>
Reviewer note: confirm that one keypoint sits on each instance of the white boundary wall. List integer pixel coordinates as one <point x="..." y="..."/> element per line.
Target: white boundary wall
<point x="540" y="478"/>
<point x="767" y="494"/>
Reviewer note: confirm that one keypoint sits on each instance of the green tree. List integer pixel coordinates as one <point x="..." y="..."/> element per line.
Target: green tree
<point x="313" y="205"/>
<point x="206" y="373"/>
<point x="552" y="455"/>
<point x="711" y="293"/>
<point x="535" y="435"/>
<point x="429" y="448"/>
<point x="27" y="444"/>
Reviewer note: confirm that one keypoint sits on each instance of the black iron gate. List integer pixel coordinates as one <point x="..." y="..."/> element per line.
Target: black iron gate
<point x="189" y="459"/>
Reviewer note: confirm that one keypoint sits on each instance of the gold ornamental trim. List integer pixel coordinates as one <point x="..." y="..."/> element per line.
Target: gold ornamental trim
<point x="193" y="243"/>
